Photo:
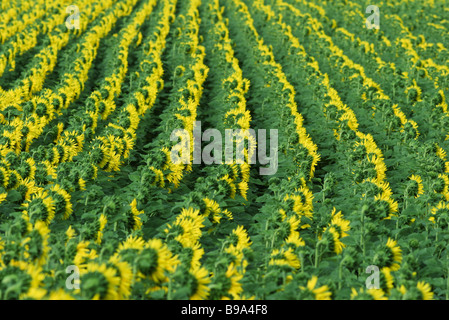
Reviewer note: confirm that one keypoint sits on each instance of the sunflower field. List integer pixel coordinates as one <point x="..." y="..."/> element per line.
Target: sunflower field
<point x="92" y="205"/>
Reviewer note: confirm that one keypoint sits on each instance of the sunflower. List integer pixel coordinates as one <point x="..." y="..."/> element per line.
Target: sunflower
<point x="416" y="188"/>
<point x="70" y="233"/>
<point x="27" y="187"/>
<point x="4" y="177"/>
<point x="50" y="169"/>
<point x="134" y="220"/>
<point x="243" y="187"/>
<point x="292" y="225"/>
<point x="245" y="171"/>
<point x="34" y="294"/>
<point x="229" y="186"/>
<point x="441" y="185"/>
<point x="321" y="293"/>
<point x="176" y="173"/>
<point x="187" y="227"/>
<point x="386" y="280"/>
<point x="82" y="184"/>
<point x="124" y="270"/>
<point x="83" y="254"/>
<point x="390" y="205"/>
<point x="295" y="240"/>
<point x="212" y="207"/>
<point x="99" y="282"/>
<point x="239" y="238"/>
<point x="154" y="260"/>
<point x="201" y="279"/>
<point x="332" y="236"/>
<point x="303" y="201"/>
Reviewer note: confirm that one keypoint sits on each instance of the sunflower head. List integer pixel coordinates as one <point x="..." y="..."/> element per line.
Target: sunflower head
<point x="312" y="292"/>
<point x="369" y="294"/>
<point x="97" y="281"/>
<point x="414" y="187"/>
<point x="389" y="256"/>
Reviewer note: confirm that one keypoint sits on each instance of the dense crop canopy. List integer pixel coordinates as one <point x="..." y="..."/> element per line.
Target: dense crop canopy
<point x="224" y="149"/>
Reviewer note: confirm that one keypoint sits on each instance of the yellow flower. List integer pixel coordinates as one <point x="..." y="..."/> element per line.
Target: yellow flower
<point x="101" y="224"/>
<point x="156" y="259"/>
<point x="418" y="180"/>
<point x="201" y="289"/>
<point x="98" y="277"/>
<point x="135" y="219"/>
<point x="426" y="290"/>
<point x="396" y="255"/>
<point x="60" y="294"/>
<point x="321" y="293"/>
<point x="370" y="294"/>
<point x="3" y="197"/>
<point x="284" y="258"/>
<point x="124" y="271"/>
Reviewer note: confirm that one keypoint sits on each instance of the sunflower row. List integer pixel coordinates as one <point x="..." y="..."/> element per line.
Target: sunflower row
<point x="291" y="207"/>
<point x="182" y="232"/>
<point x="337" y="226"/>
<point x="187" y="86"/>
<point x="224" y="281"/>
